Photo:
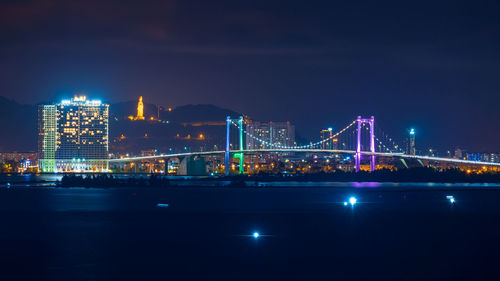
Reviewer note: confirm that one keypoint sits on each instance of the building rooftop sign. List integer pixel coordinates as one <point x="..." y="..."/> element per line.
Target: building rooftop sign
<point x="81" y="100"/>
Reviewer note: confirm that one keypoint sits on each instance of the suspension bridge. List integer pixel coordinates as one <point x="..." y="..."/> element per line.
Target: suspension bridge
<point x="358" y="138"/>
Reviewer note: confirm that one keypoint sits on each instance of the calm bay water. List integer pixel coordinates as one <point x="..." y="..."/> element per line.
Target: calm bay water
<point x="394" y="232"/>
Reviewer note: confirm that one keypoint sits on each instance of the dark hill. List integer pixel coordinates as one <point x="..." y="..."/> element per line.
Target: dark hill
<point x="18" y="123"/>
<point x="182" y="114"/>
<point x="200" y="113"/>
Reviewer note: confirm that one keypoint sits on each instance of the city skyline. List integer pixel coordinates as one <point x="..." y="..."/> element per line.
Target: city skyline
<point x="401" y="133"/>
<point x="73" y="137"/>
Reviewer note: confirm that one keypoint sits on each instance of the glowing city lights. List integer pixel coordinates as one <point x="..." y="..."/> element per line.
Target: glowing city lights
<point x="451" y="199"/>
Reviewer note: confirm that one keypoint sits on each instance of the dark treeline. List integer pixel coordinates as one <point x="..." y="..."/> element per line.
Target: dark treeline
<point x="104" y="180"/>
<point x="420" y="174"/>
<point x="423" y="174"/>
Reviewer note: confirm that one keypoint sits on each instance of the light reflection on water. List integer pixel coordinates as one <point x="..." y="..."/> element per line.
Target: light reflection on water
<point x="23" y="178"/>
<point x="80" y="199"/>
<point x="365" y="184"/>
<point x="32" y="180"/>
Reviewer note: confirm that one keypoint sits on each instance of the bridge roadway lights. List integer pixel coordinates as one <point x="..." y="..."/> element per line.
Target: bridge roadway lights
<point x="378" y="154"/>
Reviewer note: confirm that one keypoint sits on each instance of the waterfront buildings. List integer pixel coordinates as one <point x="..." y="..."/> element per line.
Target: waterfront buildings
<point x="484" y="157"/>
<point x="18" y="161"/>
<point x="73" y="136"/>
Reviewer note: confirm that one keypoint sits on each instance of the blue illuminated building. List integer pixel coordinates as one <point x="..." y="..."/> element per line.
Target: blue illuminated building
<point x="73" y="136"/>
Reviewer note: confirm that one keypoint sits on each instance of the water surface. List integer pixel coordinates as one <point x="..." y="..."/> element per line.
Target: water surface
<point x="394" y="232"/>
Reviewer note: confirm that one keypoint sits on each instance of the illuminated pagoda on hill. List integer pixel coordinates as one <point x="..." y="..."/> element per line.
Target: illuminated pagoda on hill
<point x="140" y="111"/>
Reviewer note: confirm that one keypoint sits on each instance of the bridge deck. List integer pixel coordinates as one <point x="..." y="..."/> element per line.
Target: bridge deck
<point x="332" y="151"/>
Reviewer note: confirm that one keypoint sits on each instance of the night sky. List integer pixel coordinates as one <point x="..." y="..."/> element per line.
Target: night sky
<point x="432" y="65"/>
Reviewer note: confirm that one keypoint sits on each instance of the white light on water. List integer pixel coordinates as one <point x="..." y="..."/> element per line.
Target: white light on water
<point x="353" y="200"/>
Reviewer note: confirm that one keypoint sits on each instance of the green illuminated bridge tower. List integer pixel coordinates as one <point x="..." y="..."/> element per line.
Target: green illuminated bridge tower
<point x="239" y="155"/>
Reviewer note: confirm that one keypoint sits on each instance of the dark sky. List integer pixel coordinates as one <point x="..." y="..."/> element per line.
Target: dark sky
<point x="433" y="65"/>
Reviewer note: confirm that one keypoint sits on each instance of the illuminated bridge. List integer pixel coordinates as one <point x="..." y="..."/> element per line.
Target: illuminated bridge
<point x="386" y="146"/>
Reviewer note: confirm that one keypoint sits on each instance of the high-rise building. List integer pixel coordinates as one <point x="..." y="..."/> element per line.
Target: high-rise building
<point x="263" y="135"/>
<point x="257" y="131"/>
<point x="473" y="156"/>
<point x="47" y="131"/>
<point x="410" y="143"/>
<point x="327" y="138"/>
<point x="73" y="136"/>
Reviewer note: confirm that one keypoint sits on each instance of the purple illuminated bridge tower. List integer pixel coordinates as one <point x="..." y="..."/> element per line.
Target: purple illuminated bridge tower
<point x="360" y="121"/>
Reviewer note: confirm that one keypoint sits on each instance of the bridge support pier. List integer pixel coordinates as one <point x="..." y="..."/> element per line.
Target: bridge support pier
<point x="240" y="123"/>
<point x="372" y="143"/>
<point x="226" y="154"/>
<point x="357" y="159"/>
<point x="228" y="145"/>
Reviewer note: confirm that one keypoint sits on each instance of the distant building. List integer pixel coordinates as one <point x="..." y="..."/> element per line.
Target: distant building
<point x="410" y="143"/>
<point x="458" y="153"/>
<point x="193" y="166"/>
<point x="495" y="157"/>
<point x="20" y="161"/>
<point x="491" y="157"/>
<point x="73" y="136"/>
<point x="326" y="138"/>
<point x="150" y="152"/>
<point x="17" y="156"/>
<point x="485" y="157"/>
<point x="265" y="135"/>
<point x="474" y="157"/>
